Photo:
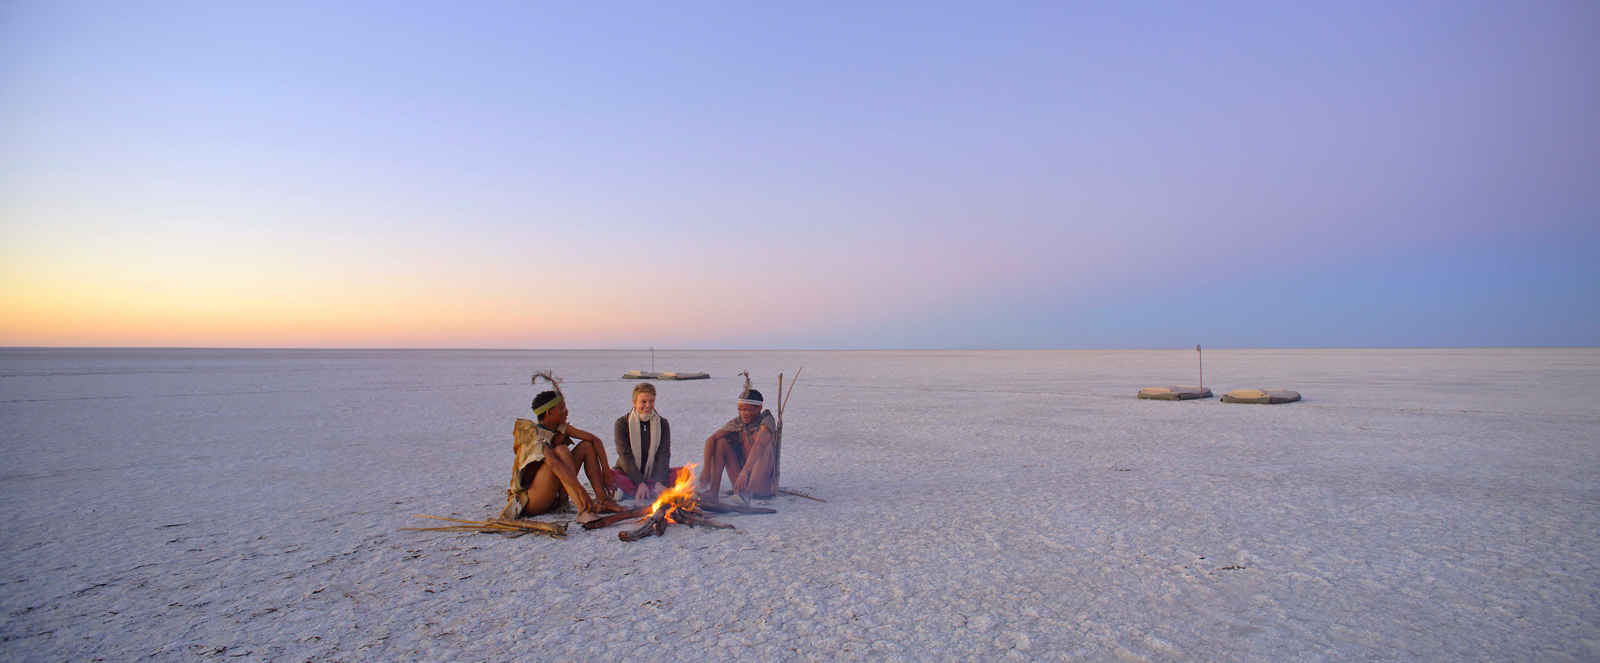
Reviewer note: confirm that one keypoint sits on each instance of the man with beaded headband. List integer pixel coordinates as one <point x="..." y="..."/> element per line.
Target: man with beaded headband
<point x="544" y="473"/>
<point x="743" y="448"/>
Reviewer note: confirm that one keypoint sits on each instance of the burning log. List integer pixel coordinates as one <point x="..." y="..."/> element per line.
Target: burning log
<point x="679" y="504"/>
<point x="655" y="525"/>
<point x="617" y="518"/>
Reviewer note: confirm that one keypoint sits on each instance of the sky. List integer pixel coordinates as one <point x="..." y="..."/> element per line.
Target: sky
<point x="800" y="175"/>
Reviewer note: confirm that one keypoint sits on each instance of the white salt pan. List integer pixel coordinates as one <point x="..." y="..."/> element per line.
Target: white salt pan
<point x="172" y="504"/>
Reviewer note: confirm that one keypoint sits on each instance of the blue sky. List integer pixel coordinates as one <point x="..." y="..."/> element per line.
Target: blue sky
<point x="875" y="175"/>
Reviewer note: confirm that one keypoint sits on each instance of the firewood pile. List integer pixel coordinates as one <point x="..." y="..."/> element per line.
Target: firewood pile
<point x="678" y="505"/>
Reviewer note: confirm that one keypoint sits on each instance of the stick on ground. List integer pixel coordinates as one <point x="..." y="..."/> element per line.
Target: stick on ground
<point x="699" y="521"/>
<point x="797" y="493"/>
<point x="719" y="507"/>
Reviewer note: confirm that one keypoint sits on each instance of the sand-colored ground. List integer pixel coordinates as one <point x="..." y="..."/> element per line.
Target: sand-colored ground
<point x="1418" y="505"/>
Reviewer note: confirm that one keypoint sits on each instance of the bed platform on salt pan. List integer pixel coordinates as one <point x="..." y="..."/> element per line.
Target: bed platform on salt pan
<point x="1261" y="396"/>
<point x="685" y="376"/>
<point x="1178" y="393"/>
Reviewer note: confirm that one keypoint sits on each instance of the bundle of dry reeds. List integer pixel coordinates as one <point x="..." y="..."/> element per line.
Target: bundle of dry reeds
<point x="512" y="527"/>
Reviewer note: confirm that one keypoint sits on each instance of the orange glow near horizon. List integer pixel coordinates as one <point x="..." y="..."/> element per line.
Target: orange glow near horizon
<point x="248" y="301"/>
<point x="336" y="316"/>
<point x="204" y="287"/>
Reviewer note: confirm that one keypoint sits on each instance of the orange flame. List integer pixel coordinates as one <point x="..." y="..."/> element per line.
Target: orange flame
<point x="681" y="494"/>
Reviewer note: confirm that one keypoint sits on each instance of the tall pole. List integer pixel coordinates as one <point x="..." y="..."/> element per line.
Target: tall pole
<point x="777" y="441"/>
<point x="652" y="359"/>
<point x="1202" y="356"/>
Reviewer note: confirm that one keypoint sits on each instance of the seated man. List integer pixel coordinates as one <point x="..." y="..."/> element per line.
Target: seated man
<point x="744" y="449"/>
<point x="544" y="474"/>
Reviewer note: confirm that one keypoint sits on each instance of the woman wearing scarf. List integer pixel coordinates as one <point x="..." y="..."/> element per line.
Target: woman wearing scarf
<point x="644" y="446"/>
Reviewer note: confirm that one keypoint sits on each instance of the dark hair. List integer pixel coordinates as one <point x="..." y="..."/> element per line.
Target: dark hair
<point x="542" y="398"/>
<point x="752" y="395"/>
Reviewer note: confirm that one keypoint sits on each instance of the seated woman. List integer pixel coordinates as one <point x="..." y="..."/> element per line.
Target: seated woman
<point x="544" y="474"/>
<point x="644" y="447"/>
<point x="743" y="448"/>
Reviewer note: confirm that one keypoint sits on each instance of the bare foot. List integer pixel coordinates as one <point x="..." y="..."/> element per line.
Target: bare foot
<point x="608" y="506"/>
<point x="583" y="505"/>
<point x="588" y="517"/>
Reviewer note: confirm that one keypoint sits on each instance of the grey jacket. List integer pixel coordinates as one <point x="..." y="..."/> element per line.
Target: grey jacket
<point x="660" y="472"/>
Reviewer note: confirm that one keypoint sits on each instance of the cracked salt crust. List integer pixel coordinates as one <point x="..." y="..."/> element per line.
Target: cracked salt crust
<point x="1430" y="505"/>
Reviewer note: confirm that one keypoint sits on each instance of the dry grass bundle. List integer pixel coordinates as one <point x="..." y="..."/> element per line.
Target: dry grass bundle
<point x="508" y="526"/>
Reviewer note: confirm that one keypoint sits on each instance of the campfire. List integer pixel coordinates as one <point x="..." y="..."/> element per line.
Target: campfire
<point x="678" y="504"/>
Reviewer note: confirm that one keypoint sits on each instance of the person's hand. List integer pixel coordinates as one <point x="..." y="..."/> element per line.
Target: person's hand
<point x="584" y="502"/>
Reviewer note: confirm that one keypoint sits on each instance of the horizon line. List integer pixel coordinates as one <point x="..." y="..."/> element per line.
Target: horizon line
<point x="647" y="349"/>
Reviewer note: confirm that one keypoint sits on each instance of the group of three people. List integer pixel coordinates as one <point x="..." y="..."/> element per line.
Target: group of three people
<point x="550" y="453"/>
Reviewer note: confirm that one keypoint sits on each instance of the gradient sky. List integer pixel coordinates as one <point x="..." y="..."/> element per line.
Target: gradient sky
<point x="800" y="175"/>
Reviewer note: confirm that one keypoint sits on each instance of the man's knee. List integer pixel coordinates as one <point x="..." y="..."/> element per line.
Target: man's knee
<point x="562" y="454"/>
